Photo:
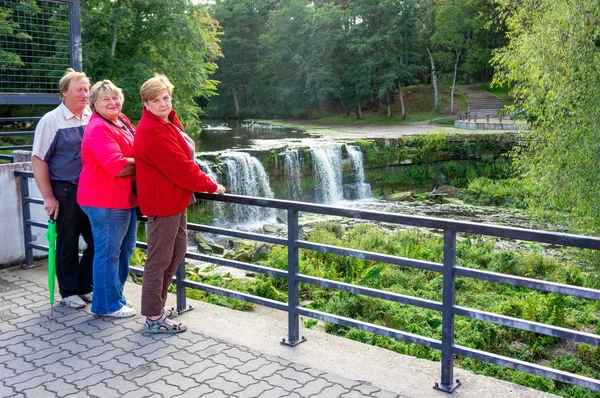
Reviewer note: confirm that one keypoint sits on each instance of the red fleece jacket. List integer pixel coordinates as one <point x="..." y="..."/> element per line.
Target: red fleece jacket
<point x="166" y="172"/>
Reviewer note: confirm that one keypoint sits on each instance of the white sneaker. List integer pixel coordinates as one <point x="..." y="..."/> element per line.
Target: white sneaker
<point x="124" y="312"/>
<point x="87" y="297"/>
<point x="73" y="302"/>
<point x="129" y="304"/>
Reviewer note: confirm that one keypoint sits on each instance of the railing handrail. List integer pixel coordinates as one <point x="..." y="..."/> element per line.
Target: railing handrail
<point x="448" y="268"/>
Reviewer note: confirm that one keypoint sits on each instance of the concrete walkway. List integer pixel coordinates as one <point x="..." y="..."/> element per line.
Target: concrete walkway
<point x="224" y="354"/>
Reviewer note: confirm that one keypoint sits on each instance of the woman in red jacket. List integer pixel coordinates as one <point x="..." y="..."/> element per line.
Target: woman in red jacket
<point x="167" y="177"/>
<point x="106" y="196"/>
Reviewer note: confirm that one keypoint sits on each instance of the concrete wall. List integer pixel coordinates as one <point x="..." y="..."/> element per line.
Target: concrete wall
<point x="12" y="250"/>
<point x="462" y="124"/>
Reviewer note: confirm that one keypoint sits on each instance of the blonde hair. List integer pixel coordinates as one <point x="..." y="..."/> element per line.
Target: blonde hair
<point x="155" y="85"/>
<point x="70" y="75"/>
<point x="102" y="86"/>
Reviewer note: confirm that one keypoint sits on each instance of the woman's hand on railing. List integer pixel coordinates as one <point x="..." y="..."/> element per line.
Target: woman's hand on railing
<point x="220" y="189"/>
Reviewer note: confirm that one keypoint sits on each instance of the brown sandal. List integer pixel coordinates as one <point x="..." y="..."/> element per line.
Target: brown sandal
<point x="161" y="326"/>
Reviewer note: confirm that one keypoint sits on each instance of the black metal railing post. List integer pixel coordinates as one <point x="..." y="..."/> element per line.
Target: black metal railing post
<point x="180" y="288"/>
<point x="448" y="384"/>
<point x="26" y="211"/>
<point x="292" y="279"/>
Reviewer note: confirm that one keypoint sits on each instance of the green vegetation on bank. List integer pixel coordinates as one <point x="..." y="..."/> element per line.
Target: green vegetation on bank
<point x="524" y="259"/>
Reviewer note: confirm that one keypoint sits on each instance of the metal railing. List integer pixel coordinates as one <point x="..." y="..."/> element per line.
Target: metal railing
<point x="448" y="269"/>
<point x="4" y="120"/>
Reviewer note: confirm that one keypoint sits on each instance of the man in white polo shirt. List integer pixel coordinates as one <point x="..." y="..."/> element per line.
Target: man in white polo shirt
<point x="56" y="165"/>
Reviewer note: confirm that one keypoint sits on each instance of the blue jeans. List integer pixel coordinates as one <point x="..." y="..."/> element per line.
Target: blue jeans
<point x="114" y="232"/>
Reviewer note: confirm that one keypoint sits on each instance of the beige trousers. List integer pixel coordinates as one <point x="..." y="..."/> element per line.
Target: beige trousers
<point x="167" y="244"/>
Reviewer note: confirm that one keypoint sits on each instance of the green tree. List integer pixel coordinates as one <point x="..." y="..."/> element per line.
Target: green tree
<point x="243" y="21"/>
<point x="128" y="41"/>
<point x="552" y="61"/>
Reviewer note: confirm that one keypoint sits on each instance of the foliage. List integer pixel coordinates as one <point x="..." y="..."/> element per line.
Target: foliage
<point x="552" y="63"/>
<point x="508" y="193"/>
<point x="128" y="41"/>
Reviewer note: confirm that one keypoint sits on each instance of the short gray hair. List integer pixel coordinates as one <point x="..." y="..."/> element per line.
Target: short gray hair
<point x="102" y="86"/>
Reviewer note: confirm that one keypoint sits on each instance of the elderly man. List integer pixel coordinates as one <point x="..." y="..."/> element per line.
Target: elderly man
<point x="56" y="161"/>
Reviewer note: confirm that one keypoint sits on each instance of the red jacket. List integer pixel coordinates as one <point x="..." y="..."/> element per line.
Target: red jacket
<point x="166" y="172"/>
<point x="104" y="152"/>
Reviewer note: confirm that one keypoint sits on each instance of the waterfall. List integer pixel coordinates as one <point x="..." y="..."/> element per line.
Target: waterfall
<point x="327" y="166"/>
<point x="207" y="169"/>
<point x="361" y="188"/>
<point x="246" y="176"/>
<point x="292" y="173"/>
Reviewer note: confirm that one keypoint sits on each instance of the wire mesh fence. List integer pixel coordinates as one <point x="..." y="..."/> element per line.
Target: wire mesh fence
<point x="35" y="45"/>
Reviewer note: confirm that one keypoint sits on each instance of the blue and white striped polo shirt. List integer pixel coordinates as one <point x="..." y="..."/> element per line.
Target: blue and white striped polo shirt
<point x="57" y="141"/>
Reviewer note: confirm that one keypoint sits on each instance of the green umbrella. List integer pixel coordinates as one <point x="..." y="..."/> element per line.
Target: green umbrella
<point x="51" y="236"/>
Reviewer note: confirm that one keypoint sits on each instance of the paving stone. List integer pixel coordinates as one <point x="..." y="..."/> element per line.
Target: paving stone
<point x="20" y="349"/>
<point x="139" y="393"/>
<point x="275" y="392"/>
<point x="346" y="383"/>
<point x="158" y="353"/>
<point x="131" y="360"/>
<point x="67" y="338"/>
<point x="278" y="381"/>
<point x="6" y="391"/>
<point x="37" y="344"/>
<point x="230" y="362"/>
<point x="34" y="330"/>
<point x="178" y="342"/>
<point x="252" y="365"/>
<point x="56" y="334"/>
<point x="313" y="387"/>
<point x="216" y="394"/>
<point x="266" y="370"/>
<point x="239" y="378"/>
<point x="284" y="363"/>
<point x="13" y="337"/>
<point x="94" y="379"/>
<point x="33" y="382"/>
<point x="182" y="382"/>
<point x="171" y="363"/>
<point x="197" y="367"/>
<point x="96" y="352"/>
<point x="100" y="390"/>
<point x="58" y="369"/>
<point x="85" y="328"/>
<point x="236" y="352"/>
<point x="107" y="355"/>
<point x="196" y="391"/>
<point x="73" y="347"/>
<point x="384" y="394"/>
<point x="209" y="373"/>
<point x="228" y="387"/>
<point x="83" y="374"/>
<point x="37" y="392"/>
<point x="22" y="377"/>
<point x="125" y="344"/>
<point x="52" y="358"/>
<point x="298" y="376"/>
<point x="7" y="372"/>
<point x="354" y="394"/>
<point x="333" y="391"/>
<point x="201" y="346"/>
<point x="141" y="339"/>
<point x="161" y="387"/>
<point x="149" y="349"/>
<point x="366" y="389"/>
<point x="120" y="384"/>
<point x="115" y="366"/>
<point x="151" y="376"/>
<point x="76" y="363"/>
<point x="116" y="335"/>
<point x="255" y="390"/>
<point x="25" y="321"/>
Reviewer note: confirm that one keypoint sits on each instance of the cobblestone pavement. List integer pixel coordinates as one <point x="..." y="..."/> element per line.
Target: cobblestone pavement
<point x="76" y="354"/>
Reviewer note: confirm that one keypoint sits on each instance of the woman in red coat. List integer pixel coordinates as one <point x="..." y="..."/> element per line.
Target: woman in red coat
<point x="167" y="177"/>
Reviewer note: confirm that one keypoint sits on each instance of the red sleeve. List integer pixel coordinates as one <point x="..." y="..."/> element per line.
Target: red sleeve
<point x="172" y="160"/>
<point x="103" y="145"/>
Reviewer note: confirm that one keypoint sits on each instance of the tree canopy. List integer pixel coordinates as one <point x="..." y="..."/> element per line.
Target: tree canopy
<point x="552" y="61"/>
<point x="127" y="41"/>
